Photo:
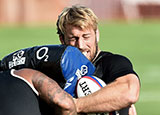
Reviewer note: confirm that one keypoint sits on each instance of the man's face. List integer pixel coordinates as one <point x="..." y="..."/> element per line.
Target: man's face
<point x="84" y="39"/>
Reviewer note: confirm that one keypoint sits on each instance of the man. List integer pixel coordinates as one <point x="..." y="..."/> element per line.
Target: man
<point x="20" y="89"/>
<point x="62" y="63"/>
<point x="77" y="26"/>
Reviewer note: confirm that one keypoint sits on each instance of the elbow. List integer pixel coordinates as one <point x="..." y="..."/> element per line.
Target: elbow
<point x="133" y="98"/>
<point x="133" y="90"/>
<point x="130" y="98"/>
<point x="133" y="95"/>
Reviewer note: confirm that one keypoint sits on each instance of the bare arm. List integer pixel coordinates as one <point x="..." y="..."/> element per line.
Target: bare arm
<point x="50" y="91"/>
<point x="121" y="93"/>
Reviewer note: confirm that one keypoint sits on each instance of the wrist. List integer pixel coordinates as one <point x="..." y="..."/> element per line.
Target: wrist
<point x="78" y="105"/>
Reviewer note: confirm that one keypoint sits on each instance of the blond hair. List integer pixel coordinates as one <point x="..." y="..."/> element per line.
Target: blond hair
<point x="76" y="15"/>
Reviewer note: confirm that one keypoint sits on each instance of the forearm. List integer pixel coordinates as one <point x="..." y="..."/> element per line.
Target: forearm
<point x="104" y="100"/>
<point x="50" y="91"/>
<point x="114" y="96"/>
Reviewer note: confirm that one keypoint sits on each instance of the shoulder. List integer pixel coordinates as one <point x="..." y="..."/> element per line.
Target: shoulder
<point x="110" y="58"/>
<point x="114" y="64"/>
<point x="110" y="66"/>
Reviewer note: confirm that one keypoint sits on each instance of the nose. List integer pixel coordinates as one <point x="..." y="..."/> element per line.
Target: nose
<point x="80" y="43"/>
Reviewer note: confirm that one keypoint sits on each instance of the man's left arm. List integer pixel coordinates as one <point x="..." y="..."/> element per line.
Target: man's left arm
<point x="121" y="93"/>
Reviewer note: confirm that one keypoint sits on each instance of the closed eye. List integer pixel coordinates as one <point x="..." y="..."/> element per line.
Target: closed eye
<point x="74" y="38"/>
<point x="86" y="36"/>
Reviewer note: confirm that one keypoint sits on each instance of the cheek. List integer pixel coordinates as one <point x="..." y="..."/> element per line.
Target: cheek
<point x="91" y="43"/>
<point x="70" y="43"/>
<point x="94" y="47"/>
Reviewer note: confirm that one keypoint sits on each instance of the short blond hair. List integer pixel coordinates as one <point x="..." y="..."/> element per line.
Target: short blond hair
<point x="76" y="15"/>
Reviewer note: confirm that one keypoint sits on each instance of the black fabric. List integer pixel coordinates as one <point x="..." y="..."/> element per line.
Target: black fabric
<point x="35" y="58"/>
<point x="16" y="97"/>
<point x="111" y="66"/>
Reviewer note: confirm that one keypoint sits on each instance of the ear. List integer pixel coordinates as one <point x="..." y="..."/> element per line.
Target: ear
<point x="97" y="35"/>
<point x="61" y="39"/>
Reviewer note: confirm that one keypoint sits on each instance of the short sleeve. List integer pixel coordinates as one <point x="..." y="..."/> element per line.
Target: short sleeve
<point x="116" y="66"/>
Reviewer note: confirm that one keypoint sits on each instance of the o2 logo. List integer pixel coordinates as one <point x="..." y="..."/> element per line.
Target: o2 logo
<point x="42" y="53"/>
<point x="81" y="72"/>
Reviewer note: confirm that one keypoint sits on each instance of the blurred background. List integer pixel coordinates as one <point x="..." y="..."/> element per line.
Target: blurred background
<point x="127" y="27"/>
<point x="27" y="12"/>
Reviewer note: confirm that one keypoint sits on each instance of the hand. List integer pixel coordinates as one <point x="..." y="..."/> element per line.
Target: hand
<point x="132" y="110"/>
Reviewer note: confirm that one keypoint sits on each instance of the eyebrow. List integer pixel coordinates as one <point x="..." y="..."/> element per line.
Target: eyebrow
<point x="72" y="35"/>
